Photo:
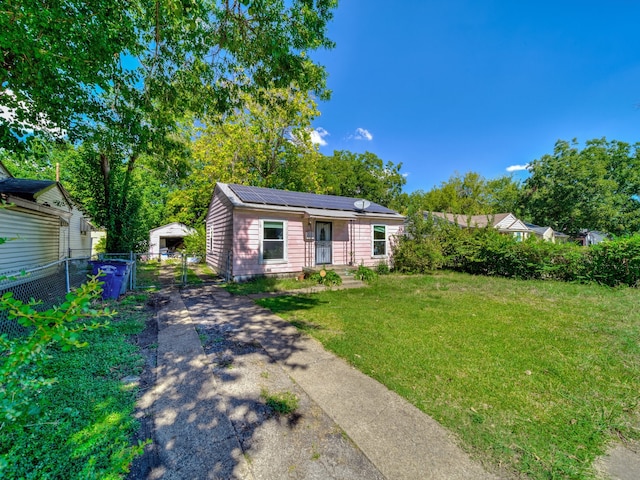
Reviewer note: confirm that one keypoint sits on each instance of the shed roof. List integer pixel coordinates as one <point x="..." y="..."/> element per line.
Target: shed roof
<point x="179" y="225"/>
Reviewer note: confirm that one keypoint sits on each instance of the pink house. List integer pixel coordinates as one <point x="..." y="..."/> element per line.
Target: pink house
<point x="253" y="231"/>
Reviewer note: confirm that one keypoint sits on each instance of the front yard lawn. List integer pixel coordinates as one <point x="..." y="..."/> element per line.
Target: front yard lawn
<point x="268" y="284"/>
<point x="534" y="377"/>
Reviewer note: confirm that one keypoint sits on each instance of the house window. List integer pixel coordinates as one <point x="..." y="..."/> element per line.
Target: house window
<point x="273" y="245"/>
<point x="379" y="240"/>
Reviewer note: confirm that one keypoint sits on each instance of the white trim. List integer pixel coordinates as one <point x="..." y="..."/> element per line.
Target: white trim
<point x="386" y="240"/>
<point x="284" y="241"/>
<point x="37" y="207"/>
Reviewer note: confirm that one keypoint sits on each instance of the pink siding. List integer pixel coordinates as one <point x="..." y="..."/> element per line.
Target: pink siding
<point x="341" y="243"/>
<point x="246" y="248"/>
<point x="220" y="216"/>
<point x="363" y="241"/>
<point x="348" y="236"/>
<point x="236" y="240"/>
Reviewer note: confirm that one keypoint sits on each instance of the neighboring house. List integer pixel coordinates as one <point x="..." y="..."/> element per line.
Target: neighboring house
<point x="167" y="239"/>
<point x="505" y="223"/>
<point x="97" y="235"/>
<point x="42" y="223"/>
<point x="548" y="233"/>
<point x="254" y="231"/>
<point x="590" y="237"/>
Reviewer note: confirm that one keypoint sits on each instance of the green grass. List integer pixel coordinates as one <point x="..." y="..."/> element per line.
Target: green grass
<point x="268" y="284"/>
<point x="147" y="273"/>
<point x="535" y="377"/>
<point x="192" y="277"/>
<point x="283" y="403"/>
<point x="85" y="423"/>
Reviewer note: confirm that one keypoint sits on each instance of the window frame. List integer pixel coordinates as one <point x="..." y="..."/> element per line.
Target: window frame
<point x="374" y="241"/>
<point x="284" y="258"/>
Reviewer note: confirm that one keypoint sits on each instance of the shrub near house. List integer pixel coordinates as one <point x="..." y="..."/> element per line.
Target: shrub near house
<point x="483" y="251"/>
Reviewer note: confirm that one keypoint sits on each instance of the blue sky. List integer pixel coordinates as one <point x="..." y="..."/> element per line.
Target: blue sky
<point x="461" y="85"/>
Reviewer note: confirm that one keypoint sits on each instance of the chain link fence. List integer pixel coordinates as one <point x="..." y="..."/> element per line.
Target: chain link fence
<point x="49" y="284"/>
<point x="153" y="270"/>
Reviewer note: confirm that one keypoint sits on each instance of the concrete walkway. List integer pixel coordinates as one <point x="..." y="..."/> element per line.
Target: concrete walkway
<point x="211" y="420"/>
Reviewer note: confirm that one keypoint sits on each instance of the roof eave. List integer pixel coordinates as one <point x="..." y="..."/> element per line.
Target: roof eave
<point x="13" y="200"/>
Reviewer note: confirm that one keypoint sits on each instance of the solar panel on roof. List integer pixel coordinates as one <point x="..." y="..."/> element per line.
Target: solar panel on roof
<point x="269" y="196"/>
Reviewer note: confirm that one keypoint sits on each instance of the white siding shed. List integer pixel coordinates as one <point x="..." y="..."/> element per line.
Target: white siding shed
<point x="168" y="238"/>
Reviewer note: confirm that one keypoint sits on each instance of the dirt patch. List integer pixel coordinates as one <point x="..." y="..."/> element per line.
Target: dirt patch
<point x="147" y="340"/>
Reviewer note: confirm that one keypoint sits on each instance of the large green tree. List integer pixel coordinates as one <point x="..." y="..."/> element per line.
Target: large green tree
<point x="55" y="59"/>
<point x="263" y="142"/>
<point x="362" y="175"/>
<point x="470" y="194"/>
<point x="79" y="173"/>
<point x="171" y="62"/>
<point x="596" y="187"/>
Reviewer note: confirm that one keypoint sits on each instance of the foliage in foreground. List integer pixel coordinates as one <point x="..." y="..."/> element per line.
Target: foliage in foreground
<point x="21" y="358"/>
<point x="532" y="376"/>
<point x="83" y="423"/>
<point x="429" y="246"/>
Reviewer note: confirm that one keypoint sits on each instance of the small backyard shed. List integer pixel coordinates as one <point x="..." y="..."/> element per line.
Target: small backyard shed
<point x="168" y="239"/>
<point x="254" y="231"/>
<point x="42" y="222"/>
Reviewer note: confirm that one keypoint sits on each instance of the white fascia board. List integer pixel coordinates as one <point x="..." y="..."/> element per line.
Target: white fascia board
<point x="22" y="203"/>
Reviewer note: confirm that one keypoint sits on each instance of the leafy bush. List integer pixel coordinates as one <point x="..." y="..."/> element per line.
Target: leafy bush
<point x="430" y="245"/>
<point x="21" y="358"/>
<point x="615" y="262"/>
<point x="420" y="250"/>
<point x="85" y="422"/>
<point x="101" y="245"/>
<point x="383" y="268"/>
<point x="365" y="274"/>
<point x="196" y="244"/>
<point x="330" y="278"/>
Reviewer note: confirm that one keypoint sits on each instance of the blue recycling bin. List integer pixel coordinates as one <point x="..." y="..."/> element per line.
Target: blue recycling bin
<point x="115" y="278"/>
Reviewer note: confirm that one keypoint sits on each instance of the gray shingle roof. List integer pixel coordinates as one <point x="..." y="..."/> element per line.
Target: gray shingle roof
<point x="23" y="188"/>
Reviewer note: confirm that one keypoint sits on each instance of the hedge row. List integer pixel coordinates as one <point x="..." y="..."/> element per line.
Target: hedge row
<point x="429" y="246"/>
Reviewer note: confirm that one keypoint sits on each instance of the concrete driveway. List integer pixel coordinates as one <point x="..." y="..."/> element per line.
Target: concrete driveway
<point x="220" y="357"/>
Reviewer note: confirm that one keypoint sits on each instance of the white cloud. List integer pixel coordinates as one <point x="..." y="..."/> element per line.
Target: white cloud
<point x="363" y="134"/>
<point x="517" y="168"/>
<point x="317" y="136"/>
